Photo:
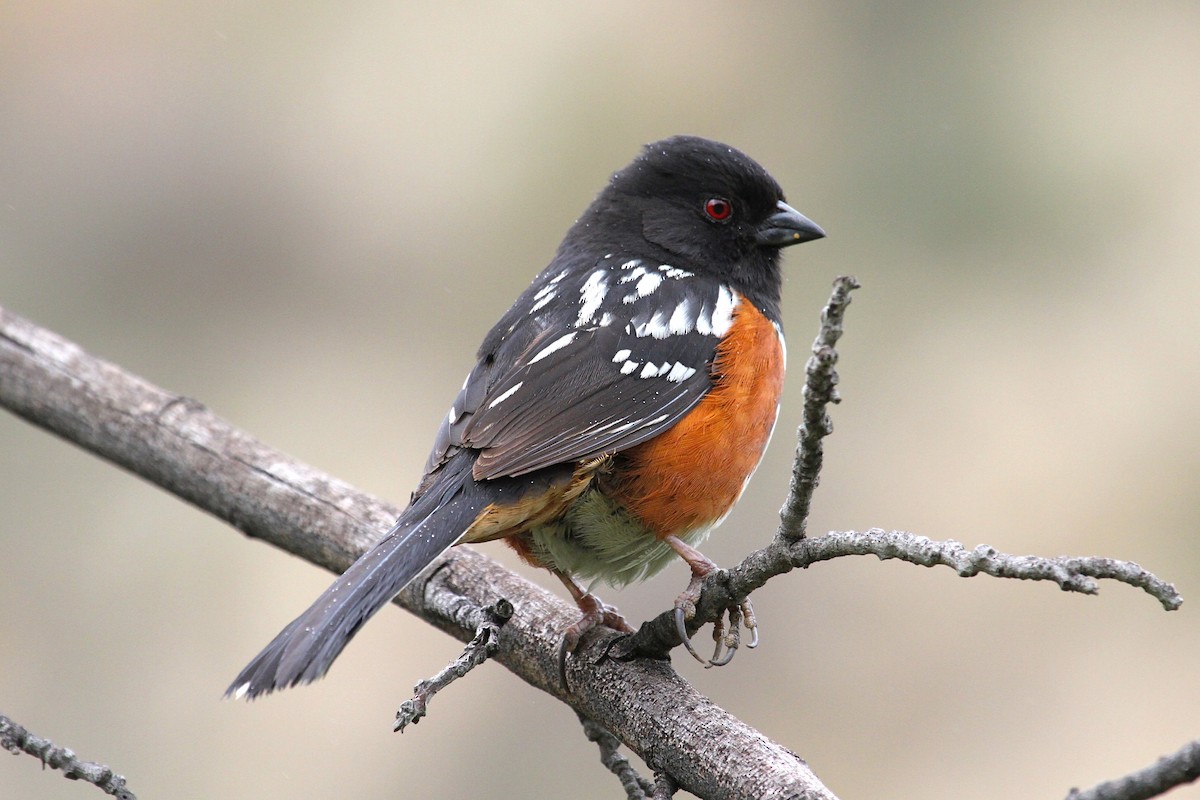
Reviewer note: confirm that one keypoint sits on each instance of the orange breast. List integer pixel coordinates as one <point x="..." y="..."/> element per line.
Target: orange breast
<point x="691" y="475"/>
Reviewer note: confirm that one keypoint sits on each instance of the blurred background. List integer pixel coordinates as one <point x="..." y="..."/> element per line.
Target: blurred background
<point x="307" y="216"/>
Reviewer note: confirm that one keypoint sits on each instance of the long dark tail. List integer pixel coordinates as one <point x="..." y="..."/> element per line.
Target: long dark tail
<point x="304" y="650"/>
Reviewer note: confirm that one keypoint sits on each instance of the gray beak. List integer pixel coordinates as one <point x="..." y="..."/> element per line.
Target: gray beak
<point x="786" y="227"/>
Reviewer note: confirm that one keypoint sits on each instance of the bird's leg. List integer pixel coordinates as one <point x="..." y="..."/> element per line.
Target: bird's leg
<point x="595" y="612"/>
<point x="685" y="609"/>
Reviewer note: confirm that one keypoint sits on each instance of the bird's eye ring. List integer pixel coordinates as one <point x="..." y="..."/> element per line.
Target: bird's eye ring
<point x="718" y="209"/>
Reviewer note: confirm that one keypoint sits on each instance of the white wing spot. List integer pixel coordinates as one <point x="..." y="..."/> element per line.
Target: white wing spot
<point x="631" y="263"/>
<point x="605" y="319"/>
<point x="674" y="273"/>
<point x="649" y="371"/>
<point x="628" y="367"/>
<point x="591" y="295"/>
<point x="453" y="415"/>
<point x="506" y="395"/>
<point x="545" y="294"/>
<point x="542" y="301"/>
<point x="722" y="316"/>
<point x="633" y="276"/>
<point x="621" y="355"/>
<point x="680" y="373"/>
<point x="648" y="283"/>
<point x="657" y="326"/>
<point x="681" y="317"/>
<point x="557" y="344"/>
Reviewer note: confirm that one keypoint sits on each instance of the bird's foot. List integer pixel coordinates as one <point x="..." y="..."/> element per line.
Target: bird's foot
<point x="595" y="613"/>
<point x="727" y="637"/>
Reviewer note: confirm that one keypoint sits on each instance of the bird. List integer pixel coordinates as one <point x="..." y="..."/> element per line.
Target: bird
<point x="614" y="413"/>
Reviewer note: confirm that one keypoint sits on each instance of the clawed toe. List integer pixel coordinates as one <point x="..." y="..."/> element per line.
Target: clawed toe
<point x="751" y="623"/>
<point x="727" y="638"/>
<point x="681" y="628"/>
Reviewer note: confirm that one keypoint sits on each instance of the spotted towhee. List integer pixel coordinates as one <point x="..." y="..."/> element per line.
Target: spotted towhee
<point x="615" y="412"/>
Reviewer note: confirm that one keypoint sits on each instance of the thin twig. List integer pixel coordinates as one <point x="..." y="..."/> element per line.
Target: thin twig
<point x="658" y="636"/>
<point x="17" y="740"/>
<point x="820" y="389"/>
<point x="664" y="787"/>
<point x="1072" y="574"/>
<point x="791" y="549"/>
<point x="482" y="646"/>
<point x="1182" y="766"/>
<point x="636" y="787"/>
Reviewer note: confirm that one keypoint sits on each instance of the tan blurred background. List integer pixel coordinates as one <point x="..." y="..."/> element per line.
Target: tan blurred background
<point x="307" y="217"/>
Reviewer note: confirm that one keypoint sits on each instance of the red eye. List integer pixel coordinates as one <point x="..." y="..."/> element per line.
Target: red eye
<point x="718" y="209"/>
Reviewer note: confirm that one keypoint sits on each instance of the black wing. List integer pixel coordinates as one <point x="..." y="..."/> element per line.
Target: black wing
<point x="588" y="361"/>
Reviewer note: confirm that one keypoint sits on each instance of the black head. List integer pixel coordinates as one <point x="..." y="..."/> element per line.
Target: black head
<point x="702" y="206"/>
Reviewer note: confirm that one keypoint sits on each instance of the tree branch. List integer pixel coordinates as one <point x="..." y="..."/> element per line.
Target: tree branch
<point x="482" y="646"/>
<point x="729" y="587"/>
<point x="177" y="443"/>
<point x="636" y="787"/>
<point x="17" y="740"/>
<point x="791" y="549"/>
<point x="820" y="389"/>
<point x="1182" y="766"/>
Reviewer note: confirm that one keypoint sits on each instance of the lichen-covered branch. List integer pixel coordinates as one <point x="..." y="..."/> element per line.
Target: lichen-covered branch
<point x="17" y="740"/>
<point x="1182" y="766"/>
<point x="635" y="786"/>
<point x="1071" y="573"/>
<point x="482" y="646"/>
<point x="792" y="548"/>
<point x="820" y="389"/>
